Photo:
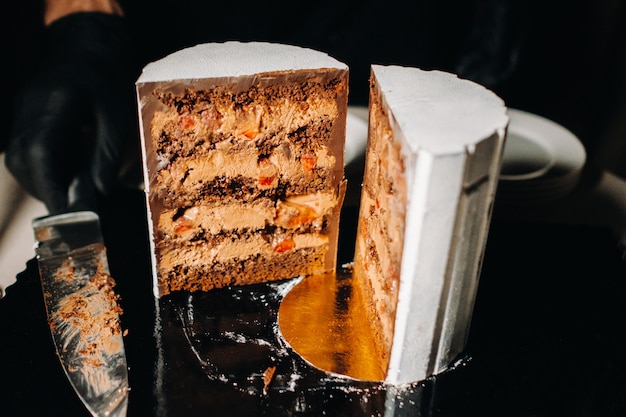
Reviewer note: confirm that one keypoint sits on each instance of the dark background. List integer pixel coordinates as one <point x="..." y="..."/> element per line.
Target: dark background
<point x="548" y="335"/>
<point x="564" y="60"/>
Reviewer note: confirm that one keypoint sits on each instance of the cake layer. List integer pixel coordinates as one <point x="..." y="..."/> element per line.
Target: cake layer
<point x="258" y="141"/>
<point x="201" y="276"/>
<point x="213" y="175"/>
<point x="300" y="214"/>
<point x="272" y="113"/>
<point x="200" y="254"/>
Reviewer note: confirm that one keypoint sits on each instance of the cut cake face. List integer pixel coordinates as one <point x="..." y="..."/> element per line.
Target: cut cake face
<point x="433" y="157"/>
<point x="243" y="148"/>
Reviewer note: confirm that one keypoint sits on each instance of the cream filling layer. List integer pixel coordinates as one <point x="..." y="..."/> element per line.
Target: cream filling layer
<point x="290" y="213"/>
<point x="216" y="219"/>
<point x="381" y="274"/>
<point x="246" y="162"/>
<point x="246" y="122"/>
<point x="203" y="255"/>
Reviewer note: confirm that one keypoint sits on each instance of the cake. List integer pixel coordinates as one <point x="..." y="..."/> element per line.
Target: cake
<point x="433" y="157"/>
<point x="243" y="148"/>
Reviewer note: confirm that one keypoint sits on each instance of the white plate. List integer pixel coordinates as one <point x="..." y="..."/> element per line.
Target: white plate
<point x="538" y="148"/>
<point x="356" y="142"/>
<point x="542" y="160"/>
<point x="356" y="134"/>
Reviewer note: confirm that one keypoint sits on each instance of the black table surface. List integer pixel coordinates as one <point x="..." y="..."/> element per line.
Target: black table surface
<point x="548" y="335"/>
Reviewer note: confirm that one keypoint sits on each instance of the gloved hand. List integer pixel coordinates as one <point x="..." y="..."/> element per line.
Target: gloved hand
<point x="76" y="118"/>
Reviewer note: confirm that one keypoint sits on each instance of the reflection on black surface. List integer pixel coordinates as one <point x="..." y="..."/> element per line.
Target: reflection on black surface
<point x="224" y="341"/>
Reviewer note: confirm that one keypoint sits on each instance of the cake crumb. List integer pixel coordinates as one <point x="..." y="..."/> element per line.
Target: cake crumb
<point x="267" y="378"/>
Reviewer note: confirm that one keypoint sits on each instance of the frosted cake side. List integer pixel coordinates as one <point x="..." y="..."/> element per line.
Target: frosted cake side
<point x="433" y="158"/>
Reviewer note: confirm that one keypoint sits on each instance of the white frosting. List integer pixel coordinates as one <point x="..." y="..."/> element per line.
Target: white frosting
<point x="438" y="111"/>
<point x="233" y="59"/>
<point x="452" y="135"/>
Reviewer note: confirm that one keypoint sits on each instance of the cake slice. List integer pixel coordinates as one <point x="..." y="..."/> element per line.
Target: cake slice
<point x="432" y="163"/>
<point x="243" y="147"/>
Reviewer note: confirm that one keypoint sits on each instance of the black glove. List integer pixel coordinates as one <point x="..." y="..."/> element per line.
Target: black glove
<point x="76" y="118"/>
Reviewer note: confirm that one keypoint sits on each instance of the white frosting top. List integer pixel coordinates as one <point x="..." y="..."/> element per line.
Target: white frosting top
<point x="437" y="111"/>
<point x="232" y="59"/>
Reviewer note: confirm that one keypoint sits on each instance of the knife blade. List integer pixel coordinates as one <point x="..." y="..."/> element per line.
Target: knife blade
<point x="82" y="309"/>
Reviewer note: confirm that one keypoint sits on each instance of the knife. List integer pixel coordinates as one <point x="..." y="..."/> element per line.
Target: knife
<point x="82" y="309"/>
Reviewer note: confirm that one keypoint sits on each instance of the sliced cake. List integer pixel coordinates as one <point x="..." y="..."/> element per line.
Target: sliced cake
<point x="243" y="147"/>
<point x="432" y="163"/>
